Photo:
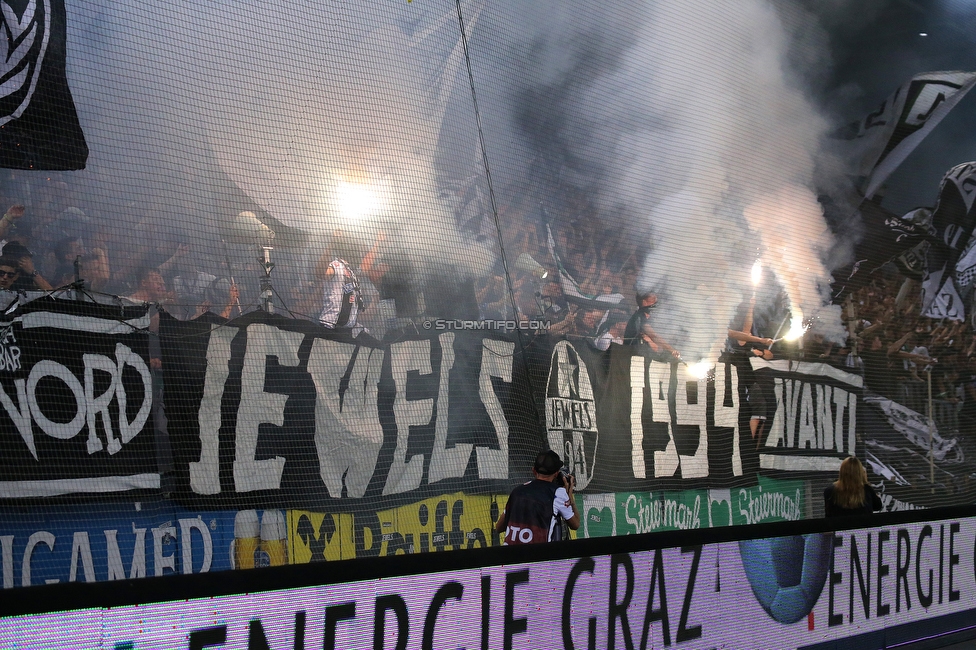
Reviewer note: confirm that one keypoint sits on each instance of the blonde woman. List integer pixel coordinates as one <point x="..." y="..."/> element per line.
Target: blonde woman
<point x="851" y="494"/>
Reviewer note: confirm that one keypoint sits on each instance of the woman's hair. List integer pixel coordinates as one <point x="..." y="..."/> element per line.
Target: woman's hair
<point x="849" y="486"/>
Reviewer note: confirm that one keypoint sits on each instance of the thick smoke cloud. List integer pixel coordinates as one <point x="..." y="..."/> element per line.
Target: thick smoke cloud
<point x="684" y="122"/>
<point x="320" y="115"/>
<point x="698" y="131"/>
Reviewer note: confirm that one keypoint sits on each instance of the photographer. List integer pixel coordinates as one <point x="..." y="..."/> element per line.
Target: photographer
<point x="534" y="509"/>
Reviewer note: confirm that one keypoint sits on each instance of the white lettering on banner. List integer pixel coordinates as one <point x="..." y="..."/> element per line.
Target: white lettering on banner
<point x="496" y="363"/>
<point x="637" y="464"/>
<point x="195" y="539"/>
<point x="799" y="423"/>
<point x="9" y="352"/>
<point x="88" y="406"/>
<point x="20" y="414"/>
<point x="660" y="513"/>
<point x="405" y="475"/>
<point x="162" y="536"/>
<point x="186" y="528"/>
<point x="99" y="405"/>
<point x="124" y="356"/>
<point x="258" y="407"/>
<point x="690" y="410"/>
<point x="81" y="549"/>
<point x="205" y="473"/>
<point x="444" y="462"/>
<point x="659" y="375"/>
<point x="728" y="416"/>
<point x="757" y="506"/>
<point x="137" y="569"/>
<point x="7" y="557"/>
<point x="40" y="537"/>
<point x="348" y="433"/>
<point x="59" y="430"/>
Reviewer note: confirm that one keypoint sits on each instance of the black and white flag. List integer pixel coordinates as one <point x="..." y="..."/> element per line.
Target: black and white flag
<point x="882" y="140"/>
<point x="39" y="127"/>
<point x="952" y="224"/>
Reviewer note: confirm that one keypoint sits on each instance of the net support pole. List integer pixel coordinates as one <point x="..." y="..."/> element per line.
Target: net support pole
<point x="931" y="433"/>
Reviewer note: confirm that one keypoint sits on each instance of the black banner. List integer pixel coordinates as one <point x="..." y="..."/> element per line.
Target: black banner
<point x="270" y="411"/>
<point x="39" y="127"/>
<point x="76" y="401"/>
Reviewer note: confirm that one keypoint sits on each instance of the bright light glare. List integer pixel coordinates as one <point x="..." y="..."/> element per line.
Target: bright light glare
<point x="699" y="370"/>
<point x="757" y="273"/>
<point x="797" y="328"/>
<point x="357" y="201"/>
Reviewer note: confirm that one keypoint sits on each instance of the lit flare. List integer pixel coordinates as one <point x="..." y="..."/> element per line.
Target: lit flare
<point x="700" y="370"/>
<point x="357" y="201"/>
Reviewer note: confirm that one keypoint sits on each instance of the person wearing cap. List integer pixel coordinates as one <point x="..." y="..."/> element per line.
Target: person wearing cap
<point x="534" y="509"/>
<point x="639" y="331"/>
<point x="28" y="278"/>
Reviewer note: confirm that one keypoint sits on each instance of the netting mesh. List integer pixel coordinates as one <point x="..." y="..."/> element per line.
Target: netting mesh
<point x="333" y="274"/>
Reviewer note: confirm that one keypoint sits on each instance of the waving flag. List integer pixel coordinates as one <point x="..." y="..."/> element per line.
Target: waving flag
<point x="571" y="288"/>
<point x="952" y="224"/>
<point x="39" y="128"/>
<point x="883" y="139"/>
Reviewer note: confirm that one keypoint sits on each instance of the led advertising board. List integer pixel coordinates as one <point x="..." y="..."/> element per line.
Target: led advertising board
<point x="793" y="591"/>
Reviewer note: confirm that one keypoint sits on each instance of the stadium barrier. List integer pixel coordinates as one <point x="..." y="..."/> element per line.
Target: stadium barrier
<point x="883" y="581"/>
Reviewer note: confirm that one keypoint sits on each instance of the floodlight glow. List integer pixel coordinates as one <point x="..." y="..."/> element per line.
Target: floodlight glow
<point x="757" y="273"/>
<point x="357" y="201"/>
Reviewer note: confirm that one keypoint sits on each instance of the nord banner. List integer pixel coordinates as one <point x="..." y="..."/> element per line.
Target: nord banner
<point x="76" y="400"/>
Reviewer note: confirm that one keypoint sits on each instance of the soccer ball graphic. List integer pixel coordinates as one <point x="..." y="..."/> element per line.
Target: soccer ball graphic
<point x="787" y="574"/>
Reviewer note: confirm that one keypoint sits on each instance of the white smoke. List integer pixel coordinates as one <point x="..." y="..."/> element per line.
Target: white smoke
<point x="321" y="113"/>
<point x="714" y="146"/>
<point x="687" y="112"/>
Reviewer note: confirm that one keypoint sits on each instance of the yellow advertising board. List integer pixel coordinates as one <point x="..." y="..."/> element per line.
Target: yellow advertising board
<point x="447" y="522"/>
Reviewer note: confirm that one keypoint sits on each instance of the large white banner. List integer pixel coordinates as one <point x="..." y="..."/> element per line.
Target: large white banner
<point x="786" y="592"/>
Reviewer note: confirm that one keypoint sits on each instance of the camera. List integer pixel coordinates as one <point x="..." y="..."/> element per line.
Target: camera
<point x="565" y="474"/>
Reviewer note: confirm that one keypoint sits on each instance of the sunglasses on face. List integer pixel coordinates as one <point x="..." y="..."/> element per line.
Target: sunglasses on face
<point x="9" y="274"/>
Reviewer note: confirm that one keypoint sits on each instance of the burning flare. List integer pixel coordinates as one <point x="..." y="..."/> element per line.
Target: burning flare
<point x="797" y="328"/>
<point x="700" y="370"/>
<point x="357" y="201"/>
<point x="757" y="273"/>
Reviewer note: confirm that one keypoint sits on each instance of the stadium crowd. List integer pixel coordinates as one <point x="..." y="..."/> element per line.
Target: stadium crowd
<point x="52" y="242"/>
